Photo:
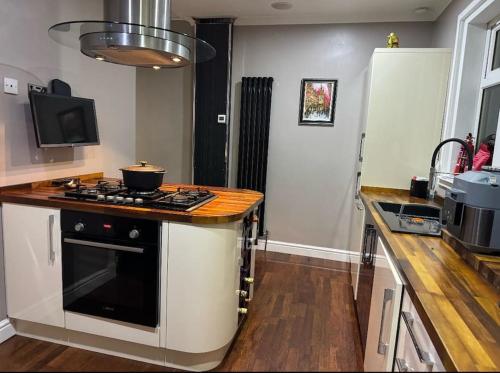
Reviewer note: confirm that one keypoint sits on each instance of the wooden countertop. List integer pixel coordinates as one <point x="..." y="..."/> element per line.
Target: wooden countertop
<point x="459" y="308"/>
<point x="229" y="206"/>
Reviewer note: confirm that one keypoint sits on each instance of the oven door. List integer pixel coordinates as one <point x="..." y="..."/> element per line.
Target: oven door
<point x="111" y="279"/>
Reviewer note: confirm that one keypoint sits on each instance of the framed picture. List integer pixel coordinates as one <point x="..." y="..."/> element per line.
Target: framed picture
<point x="317" y="102"/>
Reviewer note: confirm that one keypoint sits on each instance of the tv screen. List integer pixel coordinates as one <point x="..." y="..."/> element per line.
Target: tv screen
<point x="63" y="121"/>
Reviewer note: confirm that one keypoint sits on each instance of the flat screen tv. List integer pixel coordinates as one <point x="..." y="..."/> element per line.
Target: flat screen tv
<point x="62" y="121"/>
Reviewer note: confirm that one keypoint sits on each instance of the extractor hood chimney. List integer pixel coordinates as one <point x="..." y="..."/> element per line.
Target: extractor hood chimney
<point x="133" y="33"/>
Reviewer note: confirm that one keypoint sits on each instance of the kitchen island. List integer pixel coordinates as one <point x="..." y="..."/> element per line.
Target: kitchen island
<point x="459" y="308"/>
<point x="191" y="272"/>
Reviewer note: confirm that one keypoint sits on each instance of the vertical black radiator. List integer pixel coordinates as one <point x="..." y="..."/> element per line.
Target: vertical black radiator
<point x="255" y="115"/>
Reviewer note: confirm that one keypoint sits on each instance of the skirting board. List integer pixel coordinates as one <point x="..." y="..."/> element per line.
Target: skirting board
<point x="310" y="251"/>
<point x="6" y="330"/>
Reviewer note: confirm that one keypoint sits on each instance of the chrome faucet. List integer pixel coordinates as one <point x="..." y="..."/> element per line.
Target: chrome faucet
<point x="432" y="172"/>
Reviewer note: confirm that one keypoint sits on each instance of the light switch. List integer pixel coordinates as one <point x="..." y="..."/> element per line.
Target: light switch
<point x="221" y="118"/>
<point x="10" y="86"/>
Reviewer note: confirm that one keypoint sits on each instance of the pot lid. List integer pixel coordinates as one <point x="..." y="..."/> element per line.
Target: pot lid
<point x="143" y="166"/>
<point x="133" y="33"/>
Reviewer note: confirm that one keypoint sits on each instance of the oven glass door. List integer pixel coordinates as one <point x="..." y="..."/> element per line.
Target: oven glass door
<point x="111" y="280"/>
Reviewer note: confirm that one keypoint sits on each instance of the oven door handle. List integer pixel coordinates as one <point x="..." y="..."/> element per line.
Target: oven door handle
<point x="108" y="246"/>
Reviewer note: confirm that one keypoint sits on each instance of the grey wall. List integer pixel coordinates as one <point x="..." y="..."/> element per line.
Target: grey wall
<point x="165" y="117"/>
<point x="29" y="55"/>
<point x="309" y="185"/>
<point x="445" y="26"/>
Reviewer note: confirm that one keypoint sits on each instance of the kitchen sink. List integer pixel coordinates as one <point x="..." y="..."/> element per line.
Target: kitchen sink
<point x="410" y="217"/>
<point x="389" y="207"/>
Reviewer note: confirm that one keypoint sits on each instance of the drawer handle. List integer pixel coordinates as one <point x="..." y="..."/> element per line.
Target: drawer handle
<point x="403" y="365"/>
<point x="52" y="251"/>
<point x="423" y="356"/>
<point x="382" y="346"/>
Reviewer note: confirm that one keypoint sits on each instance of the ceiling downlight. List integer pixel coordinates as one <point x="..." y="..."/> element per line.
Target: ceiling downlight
<point x="281" y="5"/>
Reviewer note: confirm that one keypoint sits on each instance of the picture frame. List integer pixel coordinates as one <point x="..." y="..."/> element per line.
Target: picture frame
<point x="318" y="98"/>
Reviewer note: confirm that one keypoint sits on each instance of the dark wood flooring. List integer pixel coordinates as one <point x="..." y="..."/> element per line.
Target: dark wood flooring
<point x="302" y="318"/>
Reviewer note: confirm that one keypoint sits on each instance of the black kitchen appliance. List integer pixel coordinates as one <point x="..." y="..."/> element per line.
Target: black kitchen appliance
<point x="471" y="210"/>
<point x="419" y="186"/>
<point x="111" y="266"/>
<point x="115" y="193"/>
<point x="366" y="277"/>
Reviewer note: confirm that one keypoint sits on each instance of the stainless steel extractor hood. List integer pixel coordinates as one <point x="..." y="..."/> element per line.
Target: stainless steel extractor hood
<point x="133" y="33"/>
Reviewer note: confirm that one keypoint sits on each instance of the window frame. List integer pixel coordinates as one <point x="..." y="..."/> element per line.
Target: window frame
<point x="470" y="75"/>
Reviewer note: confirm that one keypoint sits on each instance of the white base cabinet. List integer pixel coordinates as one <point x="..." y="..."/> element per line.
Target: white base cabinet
<point x="33" y="270"/>
<point x="384" y="313"/>
<point x="415" y="351"/>
<point x="203" y="278"/>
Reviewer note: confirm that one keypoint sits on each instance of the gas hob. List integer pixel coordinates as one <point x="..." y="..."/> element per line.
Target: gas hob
<point x="111" y="192"/>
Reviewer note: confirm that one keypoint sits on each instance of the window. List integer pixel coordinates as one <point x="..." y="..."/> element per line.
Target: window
<point x="490" y="91"/>
<point x="488" y="120"/>
<point x="474" y="91"/>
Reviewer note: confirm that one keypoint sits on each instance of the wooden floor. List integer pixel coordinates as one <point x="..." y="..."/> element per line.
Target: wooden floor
<point x="302" y="318"/>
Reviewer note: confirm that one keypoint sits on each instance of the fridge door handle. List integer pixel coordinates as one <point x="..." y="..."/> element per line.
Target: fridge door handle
<point x="358" y="188"/>
<point x="361" y="146"/>
<point x="382" y="346"/>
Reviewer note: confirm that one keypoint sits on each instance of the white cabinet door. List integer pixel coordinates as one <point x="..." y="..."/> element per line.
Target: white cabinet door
<point x="355" y="242"/>
<point x="384" y="313"/>
<point x="202" y="281"/>
<point x="33" y="270"/>
<point x="415" y="351"/>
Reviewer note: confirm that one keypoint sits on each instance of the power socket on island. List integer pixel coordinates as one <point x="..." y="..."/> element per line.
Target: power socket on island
<point x="10" y="86"/>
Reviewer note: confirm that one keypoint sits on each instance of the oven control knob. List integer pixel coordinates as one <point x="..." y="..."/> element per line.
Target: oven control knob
<point x="119" y="199"/>
<point x="101" y="197"/>
<point x="110" y="198"/>
<point x="129" y="200"/>
<point x="79" y="227"/>
<point x="139" y="201"/>
<point x="133" y="234"/>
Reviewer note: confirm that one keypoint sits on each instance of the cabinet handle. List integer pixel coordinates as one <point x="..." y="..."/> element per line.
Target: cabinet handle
<point x="369" y="242"/>
<point x="361" y="143"/>
<point x="423" y="356"/>
<point x="356" y="193"/>
<point x="382" y="346"/>
<point x="52" y="252"/>
<point x="403" y="365"/>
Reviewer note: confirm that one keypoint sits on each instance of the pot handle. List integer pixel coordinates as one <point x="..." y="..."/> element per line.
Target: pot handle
<point x="143" y="163"/>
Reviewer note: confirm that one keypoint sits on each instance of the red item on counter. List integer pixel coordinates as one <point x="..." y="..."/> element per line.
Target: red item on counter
<point x="482" y="157"/>
<point x="462" y="155"/>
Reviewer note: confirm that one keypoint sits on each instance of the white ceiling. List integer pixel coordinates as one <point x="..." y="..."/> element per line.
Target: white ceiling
<point x="260" y="12"/>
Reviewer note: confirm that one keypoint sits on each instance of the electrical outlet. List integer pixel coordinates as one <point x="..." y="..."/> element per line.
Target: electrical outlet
<point x="10" y="86"/>
<point x="221" y="119"/>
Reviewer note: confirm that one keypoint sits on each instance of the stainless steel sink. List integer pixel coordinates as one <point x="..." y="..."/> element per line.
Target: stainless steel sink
<point x="410" y="217"/>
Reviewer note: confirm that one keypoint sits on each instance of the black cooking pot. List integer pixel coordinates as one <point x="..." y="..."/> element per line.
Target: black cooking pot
<point x="143" y="177"/>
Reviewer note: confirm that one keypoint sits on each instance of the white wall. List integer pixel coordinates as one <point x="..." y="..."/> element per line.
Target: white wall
<point x="29" y="55"/>
<point x="310" y="169"/>
<point x="445" y="26"/>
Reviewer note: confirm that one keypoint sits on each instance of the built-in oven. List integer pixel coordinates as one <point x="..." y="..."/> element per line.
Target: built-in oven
<point x="111" y="266"/>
